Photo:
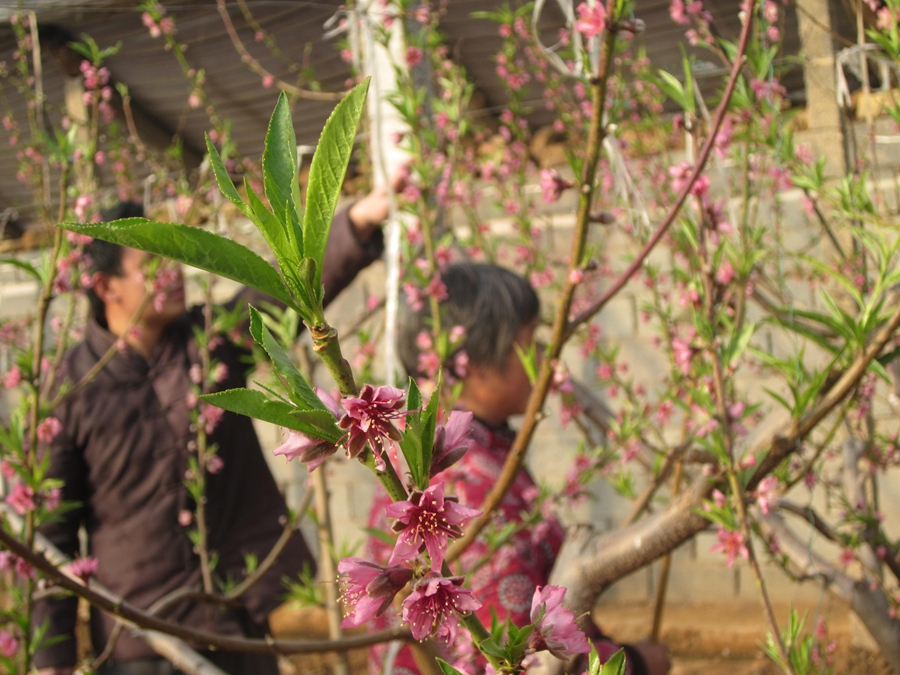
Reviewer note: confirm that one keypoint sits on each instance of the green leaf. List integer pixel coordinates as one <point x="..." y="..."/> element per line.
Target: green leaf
<point x="278" y="241"/>
<point x="265" y="220"/>
<point x="301" y="392"/>
<point x="529" y="360"/>
<point x="311" y="291"/>
<point x="195" y="247"/>
<point x="223" y="180"/>
<point x="413" y="396"/>
<point x="428" y="424"/>
<point x="738" y="343"/>
<point x="880" y="371"/>
<point x="615" y="665"/>
<point x="446" y="668"/>
<point x="323" y="421"/>
<point x="829" y="273"/>
<point x="491" y="648"/>
<point x="326" y="173"/>
<point x="279" y="164"/>
<point x="787" y="406"/>
<point x="411" y="443"/>
<point x="255" y="404"/>
<point x="381" y="535"/>
<point x="671" y="86"/>
<point x="690" y="100"/>
<point x="24" y="266"/>
<point x="844" y="323"/>
<point x="594" y="664"/>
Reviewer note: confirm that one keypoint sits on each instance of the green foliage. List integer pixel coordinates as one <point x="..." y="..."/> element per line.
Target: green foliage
<point x="529" y="359"/>
<point x="326" y="174"/>
<point x="25" y="266"/>
<point x="252" y="403"/>
<point x="671" y="86"/>
<point x="615" y="665"/>
<point x="446" y="668"/>
<point x="90" y="50"/>
<point x="804" y="385"/>
<point x="418" y="437"/>
<point x="507" y="643"/>
<point x="305" y="591"/>
<point x="299" y="390"/>
<point x="192" y="246"/>
<point x="298" y="243"/>
<point x="801" y="650"/>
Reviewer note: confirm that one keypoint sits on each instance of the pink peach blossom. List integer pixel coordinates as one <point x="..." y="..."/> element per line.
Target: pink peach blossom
<point x="369" y="589"/>
<point x="592" y="20"/>
<point x="430" y="608"/>
<point x="370" y="418"/>
<point x="430" y="519"/>
<point x="48" y="429"/>
<point x="555" y="628"/>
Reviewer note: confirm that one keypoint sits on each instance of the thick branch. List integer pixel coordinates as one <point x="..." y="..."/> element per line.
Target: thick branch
<point x="589" y="563"/>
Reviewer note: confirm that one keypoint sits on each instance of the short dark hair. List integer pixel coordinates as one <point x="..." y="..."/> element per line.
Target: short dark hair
<point x="490" y="302"/>
<point x="106" y="256"/>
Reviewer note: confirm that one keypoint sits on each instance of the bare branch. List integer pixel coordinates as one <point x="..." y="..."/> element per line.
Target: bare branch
<point x="134" y="617"/>
<point x="808" y="513"/>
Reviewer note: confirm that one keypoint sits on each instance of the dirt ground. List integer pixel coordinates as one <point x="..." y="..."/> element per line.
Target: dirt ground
<point x="707" y="639"/>
<point x="725" y="639"/>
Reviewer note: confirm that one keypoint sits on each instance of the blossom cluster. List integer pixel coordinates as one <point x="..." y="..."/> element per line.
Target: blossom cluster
<point x="437" y="600"/>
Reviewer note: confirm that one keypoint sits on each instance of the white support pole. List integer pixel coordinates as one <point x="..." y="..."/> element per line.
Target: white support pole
<point x="377" y="61"/>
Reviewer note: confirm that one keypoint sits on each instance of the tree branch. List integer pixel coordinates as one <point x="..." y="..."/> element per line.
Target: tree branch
<point x="589" y="562"/>
<point x="135" y="617"/>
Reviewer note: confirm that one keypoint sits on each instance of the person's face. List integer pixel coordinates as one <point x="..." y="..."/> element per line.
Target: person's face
<point x="508" y="388"/>
<point x="123" y="294"/>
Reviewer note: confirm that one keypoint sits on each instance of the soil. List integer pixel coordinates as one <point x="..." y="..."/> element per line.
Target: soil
<point x="704" y="639"/>
<point x="726" y="638"/>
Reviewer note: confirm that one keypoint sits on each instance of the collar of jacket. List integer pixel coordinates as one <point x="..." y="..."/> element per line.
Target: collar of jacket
<point x="128" y="364"/>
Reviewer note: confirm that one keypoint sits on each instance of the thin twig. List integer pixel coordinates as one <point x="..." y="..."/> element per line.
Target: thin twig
<point x="286" y="534"/>
<point x="110" y="645"/>
<point x="187" y="594"/>
<point x="586" y="314"/>
<point x="95" y="370"/>
<point x="516" y="455"/>
<point x="327" y="567"/>
<point x="640" y="505"/>
<point x="260" y="70"/>
<point x="808" y="513"/>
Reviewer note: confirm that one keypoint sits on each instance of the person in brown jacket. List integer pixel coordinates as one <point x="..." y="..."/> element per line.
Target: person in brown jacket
<point x="123" y="454"/>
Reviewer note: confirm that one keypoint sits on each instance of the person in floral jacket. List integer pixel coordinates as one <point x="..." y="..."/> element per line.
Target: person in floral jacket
<point x="489" y="310"/>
